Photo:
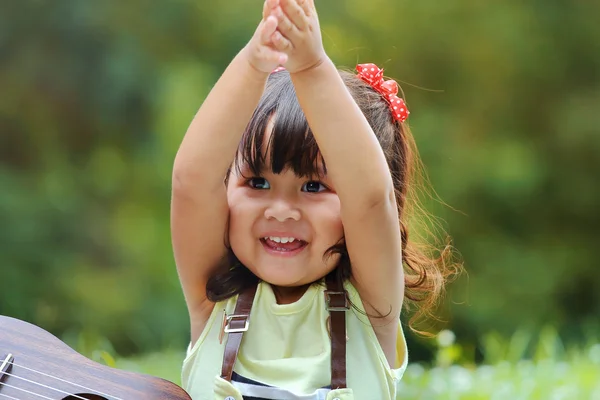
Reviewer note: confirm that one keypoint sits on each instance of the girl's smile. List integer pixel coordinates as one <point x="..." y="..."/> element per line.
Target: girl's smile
<point x="283" y="244"/>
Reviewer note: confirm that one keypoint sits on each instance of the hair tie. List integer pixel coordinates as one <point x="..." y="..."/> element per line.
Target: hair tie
<point x="372" y="75"/>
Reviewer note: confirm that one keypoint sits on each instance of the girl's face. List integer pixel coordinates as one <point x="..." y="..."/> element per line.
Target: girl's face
<point x="281" y="225"/>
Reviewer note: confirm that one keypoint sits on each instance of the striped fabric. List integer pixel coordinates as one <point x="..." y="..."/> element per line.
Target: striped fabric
<point x="253" y="390"/>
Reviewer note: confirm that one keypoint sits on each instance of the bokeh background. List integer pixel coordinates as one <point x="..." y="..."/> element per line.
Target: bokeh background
<point x="95" y="97"/>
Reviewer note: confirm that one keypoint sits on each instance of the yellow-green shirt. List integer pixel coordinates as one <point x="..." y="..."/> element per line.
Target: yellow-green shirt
<point x="287" y="347"/>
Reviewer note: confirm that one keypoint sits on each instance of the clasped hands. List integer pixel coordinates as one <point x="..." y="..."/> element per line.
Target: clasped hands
<point x="288" y="35"/>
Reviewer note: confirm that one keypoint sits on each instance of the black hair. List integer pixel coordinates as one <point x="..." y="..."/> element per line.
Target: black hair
<point x="291" y="145"/>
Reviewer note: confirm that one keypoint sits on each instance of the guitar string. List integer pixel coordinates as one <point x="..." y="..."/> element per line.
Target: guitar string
<point x="65" y="381"/>
<point x="26" y="391"/>
<point x="39" y="384"/>
<point x="8" y="397"/>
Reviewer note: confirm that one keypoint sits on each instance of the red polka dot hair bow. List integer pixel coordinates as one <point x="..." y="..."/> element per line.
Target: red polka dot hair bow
<point x="371" y="74"/>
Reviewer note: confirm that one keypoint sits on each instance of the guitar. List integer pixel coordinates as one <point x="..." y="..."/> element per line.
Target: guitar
<point x="36" y="365"/>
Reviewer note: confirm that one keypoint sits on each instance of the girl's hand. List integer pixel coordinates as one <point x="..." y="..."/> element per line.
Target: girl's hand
<point x="260" y="51"/>
<point x="299" y="35"/>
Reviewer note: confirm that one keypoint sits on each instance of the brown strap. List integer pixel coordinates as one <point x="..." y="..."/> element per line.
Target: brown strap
<point x="336" y="299"/>
<point x="235" y="326"/>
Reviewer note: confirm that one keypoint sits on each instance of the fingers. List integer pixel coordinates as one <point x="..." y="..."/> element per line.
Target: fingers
<point x="273" y="56"/>
<point x="308" y="6"/>
<point x="268" y="7"/>
<point x="285" y="25"/>
<point x="274" y="44"/>
<point x="268" y="29"/>
<point x="297" y="11"/>
<point x="280" y="43"/>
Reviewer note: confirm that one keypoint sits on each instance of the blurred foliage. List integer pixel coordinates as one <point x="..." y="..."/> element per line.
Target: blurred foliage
<point x="96" y="96"/>
<point x="545" y="372"/>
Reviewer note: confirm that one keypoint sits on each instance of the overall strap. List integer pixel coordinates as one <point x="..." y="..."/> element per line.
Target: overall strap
<point x="336" y="299"/>
<point x="235" y="326"/>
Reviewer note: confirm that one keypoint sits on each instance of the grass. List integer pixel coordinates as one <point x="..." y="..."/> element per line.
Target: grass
<point x="524" y="366"/>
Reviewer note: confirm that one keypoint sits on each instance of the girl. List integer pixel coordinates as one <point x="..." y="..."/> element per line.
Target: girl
<point x="288" y="189"/>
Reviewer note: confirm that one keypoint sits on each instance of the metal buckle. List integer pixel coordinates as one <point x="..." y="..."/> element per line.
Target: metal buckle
<point x="329" y="293"/>
<point x="227" y="329"/>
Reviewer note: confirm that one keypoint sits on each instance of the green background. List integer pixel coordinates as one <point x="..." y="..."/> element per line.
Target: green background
<point x="95" y="97"/>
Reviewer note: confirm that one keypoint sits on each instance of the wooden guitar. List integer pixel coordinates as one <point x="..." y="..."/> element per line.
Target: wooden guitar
<point x="35" y="365"/>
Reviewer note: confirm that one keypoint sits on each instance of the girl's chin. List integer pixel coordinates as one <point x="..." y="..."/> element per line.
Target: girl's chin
<point x="282" y="280"/>
<point x="286" y="277"/>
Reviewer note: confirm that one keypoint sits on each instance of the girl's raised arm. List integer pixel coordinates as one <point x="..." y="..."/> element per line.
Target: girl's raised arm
<point x="355" y="164"/>
<point x="199" y="209"/>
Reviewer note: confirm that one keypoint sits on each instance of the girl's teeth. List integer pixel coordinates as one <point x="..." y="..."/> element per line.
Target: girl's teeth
<point x="281" y="240"/>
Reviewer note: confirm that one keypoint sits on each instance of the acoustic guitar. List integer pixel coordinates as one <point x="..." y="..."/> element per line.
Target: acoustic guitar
<point x="35" y="365"/>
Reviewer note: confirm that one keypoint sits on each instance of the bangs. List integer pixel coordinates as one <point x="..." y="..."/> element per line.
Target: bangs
<point x="291" y="144"/>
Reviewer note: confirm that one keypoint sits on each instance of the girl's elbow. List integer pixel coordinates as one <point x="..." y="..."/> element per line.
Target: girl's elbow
<point x="380" y="198"/>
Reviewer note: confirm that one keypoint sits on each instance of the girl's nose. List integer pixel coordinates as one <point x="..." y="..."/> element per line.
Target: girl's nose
<point x="282" y="210"/>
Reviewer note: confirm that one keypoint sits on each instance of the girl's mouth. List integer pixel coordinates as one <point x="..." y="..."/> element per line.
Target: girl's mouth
<point x="283" y="246"/>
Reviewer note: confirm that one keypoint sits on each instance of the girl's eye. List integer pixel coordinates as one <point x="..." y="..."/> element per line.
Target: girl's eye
<point x="313" y="187"/>
<point x="258" y="183"/>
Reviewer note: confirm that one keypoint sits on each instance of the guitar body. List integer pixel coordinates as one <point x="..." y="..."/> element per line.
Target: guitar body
<point x="43" y="367"/>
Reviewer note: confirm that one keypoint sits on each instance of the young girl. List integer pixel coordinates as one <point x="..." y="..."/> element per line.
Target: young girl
<point x="290" y="192"/>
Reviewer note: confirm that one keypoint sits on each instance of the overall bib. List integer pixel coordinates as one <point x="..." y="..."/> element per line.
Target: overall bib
<point x="230" y="386"/>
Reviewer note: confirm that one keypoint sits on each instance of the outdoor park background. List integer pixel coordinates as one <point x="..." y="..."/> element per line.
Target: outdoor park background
<point x="505" y="100"/>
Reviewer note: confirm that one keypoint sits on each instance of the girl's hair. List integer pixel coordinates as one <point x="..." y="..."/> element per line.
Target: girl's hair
<point x="293" y="146"/>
